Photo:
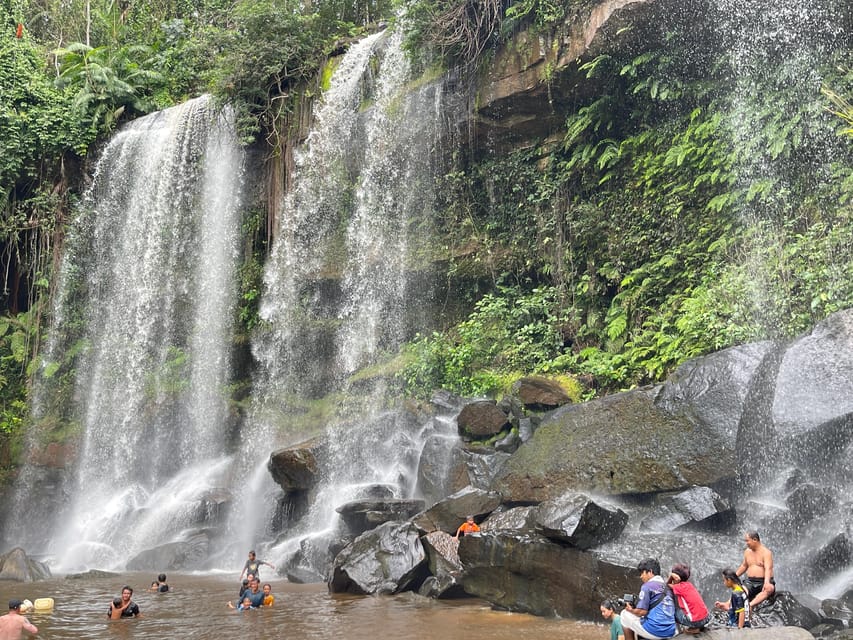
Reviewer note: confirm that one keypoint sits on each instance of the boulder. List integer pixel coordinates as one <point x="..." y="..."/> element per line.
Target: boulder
<point x="697" y="507"/>
<point x="809" y="501"/>
<point x="16" y="565"/>
<point x="444" y="565"/>
<point x="518" y="519"/>
<point x="482" y="468"/>
<point x="785" y="610"/>
<point x="835" y="555"/>
<point x="481" y="419"/>
<point x="579" y="521"/>
<point x="442" y="469"/>
<point x="445" y="587"/>
<point x="799" y="409"/>
<point x="529" y="573"/>
<point x="540" y="394"/>
<point x="621" y="444"/>
<point x="363" y="515"/>
<point x="448" y="514"/>
<point x="443" y="553"/>
<point x="312" y="561"/>
<point x="296" y="468"/>
<point x="713" y="389"/>
<point x="836" y="609"/>
<point x="385" y="560"/>
<point x="173" y="556"/>
<point x="92" y="574"/>
<point x="814" y="380"/>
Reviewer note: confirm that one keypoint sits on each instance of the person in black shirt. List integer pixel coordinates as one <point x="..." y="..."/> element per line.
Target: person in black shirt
<point x="124" y="607"/>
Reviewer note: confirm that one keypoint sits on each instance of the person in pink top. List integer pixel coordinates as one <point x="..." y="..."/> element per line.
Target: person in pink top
<point x="690" y="610"/>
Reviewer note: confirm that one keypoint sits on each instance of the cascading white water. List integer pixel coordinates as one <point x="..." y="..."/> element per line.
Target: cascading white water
<point x="774" y="52"/>
<point x="147" y="293"/>
<point x="775" y="55"/>
<point x="338" y="286"/>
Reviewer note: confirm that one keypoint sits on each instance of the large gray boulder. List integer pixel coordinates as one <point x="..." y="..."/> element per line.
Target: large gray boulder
<point x="297" y="468"/>
<point x="621" y="444"/>
<point x="448" y="514"/>
<point x="529" y="573"/>
<point x="801" y="408"/>
<point x="173" y="556"/>
<point x="363" y="515"/>
<point x="693" y="508"/>
<point x="579" y="521"/>
<point x="442" y="468"/>
<point x="518" y="519"/>
<point x="386" y="560"/>
<point x="662" y="438"/>
<point x="713" y="389"/>
<point x="16" y="565"/>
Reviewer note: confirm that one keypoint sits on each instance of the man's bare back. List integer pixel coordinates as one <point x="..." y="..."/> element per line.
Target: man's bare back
<point x="13" y="625"/>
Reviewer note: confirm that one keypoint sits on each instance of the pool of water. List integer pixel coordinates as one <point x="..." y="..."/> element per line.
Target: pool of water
<point x="196" y="607"/>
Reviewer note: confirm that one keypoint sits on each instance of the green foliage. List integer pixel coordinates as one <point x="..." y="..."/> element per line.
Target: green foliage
<point x="682" y="214"/>
<point x="108" y="81"/>
<point x="254" y="71"/>
<point x="17" y="335"/>
<point x="172" y="376"/>
<point x="508" y="332"/>
<point x="541" y="13"/>
<point x="251" y="273"/>
<point x="36" y="119"/>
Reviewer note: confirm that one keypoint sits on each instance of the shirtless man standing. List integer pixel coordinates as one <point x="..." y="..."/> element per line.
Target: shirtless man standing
<point x="13" y="624"/>
<point x="758" y="566"/>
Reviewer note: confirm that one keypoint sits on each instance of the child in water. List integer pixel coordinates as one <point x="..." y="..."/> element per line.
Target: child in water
<point x="243" y="606"/>
<point x="738" y="604"/>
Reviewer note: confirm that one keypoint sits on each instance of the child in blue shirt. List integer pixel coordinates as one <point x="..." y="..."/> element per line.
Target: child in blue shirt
<point x="738" y="604"/>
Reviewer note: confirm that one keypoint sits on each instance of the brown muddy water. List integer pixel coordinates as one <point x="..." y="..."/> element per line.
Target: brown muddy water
<point x="196" y="607"/>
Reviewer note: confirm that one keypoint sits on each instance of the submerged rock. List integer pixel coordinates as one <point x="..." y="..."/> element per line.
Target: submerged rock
<point x="173" y="556"/>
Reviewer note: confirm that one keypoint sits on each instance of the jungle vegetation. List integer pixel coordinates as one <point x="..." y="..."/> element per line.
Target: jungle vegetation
<point x="677" y="215"/>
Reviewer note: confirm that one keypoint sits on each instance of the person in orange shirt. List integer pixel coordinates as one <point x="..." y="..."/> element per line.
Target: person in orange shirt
<point x="469" y="526"/>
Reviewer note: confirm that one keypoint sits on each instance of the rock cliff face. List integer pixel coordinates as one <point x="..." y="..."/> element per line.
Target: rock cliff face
<point x="524" y="94"/>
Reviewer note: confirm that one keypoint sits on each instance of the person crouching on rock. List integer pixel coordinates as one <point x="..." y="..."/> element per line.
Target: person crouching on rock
<point x="690" y="610"/>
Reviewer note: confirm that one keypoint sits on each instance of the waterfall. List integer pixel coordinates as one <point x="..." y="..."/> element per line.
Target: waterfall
<point x="145" y="304"/>
<point x="774" y="56"/>
<point x="343" y="288"/>
<point x="777" y="53"/>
